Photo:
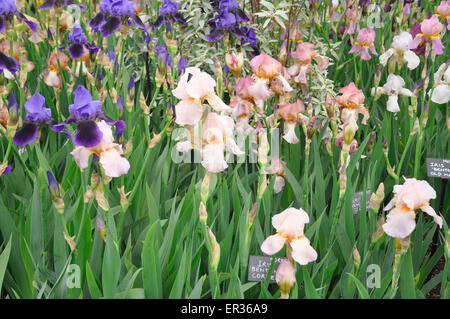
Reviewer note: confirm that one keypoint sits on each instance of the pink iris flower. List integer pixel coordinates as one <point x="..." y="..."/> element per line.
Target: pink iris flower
<point x="364" y="43"/>
<point x="430" y="32"/>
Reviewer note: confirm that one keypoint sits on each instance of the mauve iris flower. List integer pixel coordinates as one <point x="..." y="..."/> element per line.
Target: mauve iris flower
<point x="78" y="41"/>
<point x="84" y="112"/>
<point x="169" y="14"/>
<point x="8" y="9"/>
<point x="112" y="14"/>
<point x="37" y="115"/>
<point x="430" y="32"/>
<point x="364" y="43"/>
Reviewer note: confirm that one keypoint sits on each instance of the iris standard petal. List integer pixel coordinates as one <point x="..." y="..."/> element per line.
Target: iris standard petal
<point x="112" y="24"/>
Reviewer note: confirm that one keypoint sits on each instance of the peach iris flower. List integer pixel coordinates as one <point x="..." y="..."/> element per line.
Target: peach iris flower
<point x="431" y="30"/>
<point x="265" y="69"/>
<point x="217" y="134"/>
<point x="290" y="114"/>
<point x="109" y="153"/>
<point x="53" y="75"/>
<point x="193" y="88"/>
<point x="413" y="194"/>
<point x="304" y="54"/>
<point x="352" y="99"/>
<point x="289" y="225"/>
<point x="364" y="43"/>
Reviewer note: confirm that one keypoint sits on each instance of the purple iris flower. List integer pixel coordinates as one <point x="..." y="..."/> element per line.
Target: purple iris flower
<point x="227" y="21"/>
<point x="8" y="9"/>
<point x="168" y="13"/>
<point x="78" y="41"/>
<point x="8" y="63"/>
<point x="112" y="14"/>
<point x="388" y="6"/>
<point x="84" y="111"/>
<point x="164" y="56"/>
<point x="37" y="115"/>
<point x="50" y="4"/>
<point x="250" y="38"/>
<point x="364" y="3"/>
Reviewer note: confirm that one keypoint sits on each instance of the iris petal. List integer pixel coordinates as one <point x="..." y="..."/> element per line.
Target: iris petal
<point x="111" y="25"/>
<point x="88" y="134"/>
<point x="158" y="23"/>
<point x="139" y="22"/>
<point x="215" y="35"/>
<point x="49" y="4"/>
<point x="97" y="21"/>
<point x="31" y="24"/>
<point x="8" y="63"/>
<point x="26" y="135"/>
<point x="76" y="50"/>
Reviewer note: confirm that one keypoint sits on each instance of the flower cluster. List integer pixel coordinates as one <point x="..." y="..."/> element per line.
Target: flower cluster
<point x="194" y="88"/>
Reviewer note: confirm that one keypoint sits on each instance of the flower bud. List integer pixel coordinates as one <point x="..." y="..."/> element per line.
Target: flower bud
<point x="123" y="198"/>
<point x="252" y="213"/>
<point x="282" y="56"/>
<point x="143" y="104"/>
<point x="53" y="187"/>
<point x="235" y="63"/>
<point x="285" y="277"/>
<point x="356" y="257"/>
<point x="385" y="145"/>
<point x="13" y="109"/>
<point x="101" y="227"/>
<point x="376" y="198"/>
<point x="120" y="106"/>
<point x="379" y="231"/>
<point x="101" y="199"/>
<point x="215" y="256"/>
<point x="155" y="140"/>
<point x="70" y="241"/>
<point x="203" y="214"/>
<point x="205" y="187"/>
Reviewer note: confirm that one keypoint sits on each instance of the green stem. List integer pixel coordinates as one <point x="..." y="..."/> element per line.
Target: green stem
<point x="402" y="159"/>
